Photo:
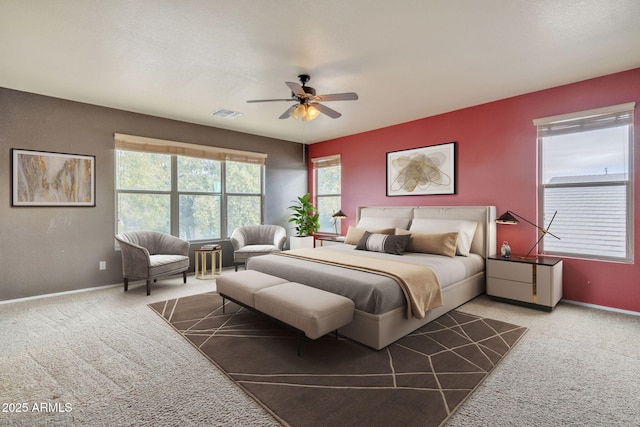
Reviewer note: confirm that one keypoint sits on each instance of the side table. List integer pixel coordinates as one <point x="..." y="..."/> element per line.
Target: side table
<point x="202" y="272"/>
<point x="330" y="240"/>
<point x="535" y="283"/>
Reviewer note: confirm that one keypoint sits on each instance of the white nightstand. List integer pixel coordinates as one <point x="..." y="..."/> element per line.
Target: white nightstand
<point x="535" y="283"/>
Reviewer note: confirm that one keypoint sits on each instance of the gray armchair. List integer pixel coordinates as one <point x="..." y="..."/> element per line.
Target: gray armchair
<point x="148" y="255"/>
<point x="253" y="240"/>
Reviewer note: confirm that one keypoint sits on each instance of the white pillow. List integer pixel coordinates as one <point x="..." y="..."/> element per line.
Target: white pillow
<point x="374" y="223"/>
<point x="466" y="230"/>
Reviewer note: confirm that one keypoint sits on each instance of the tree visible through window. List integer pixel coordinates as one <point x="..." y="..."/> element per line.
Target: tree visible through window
<point x="586" y="172"/>
<point x="194" y="198"/>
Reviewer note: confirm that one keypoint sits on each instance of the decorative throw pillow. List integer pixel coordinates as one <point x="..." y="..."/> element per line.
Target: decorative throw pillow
<point x="437" y="244"/>
<point x="355" y="234"/>
<point x="380" y="223"/>
<point x="466" y="230"/>
<point x="383" y="243"/>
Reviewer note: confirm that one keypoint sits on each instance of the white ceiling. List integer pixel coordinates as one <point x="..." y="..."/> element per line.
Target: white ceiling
<point x="406" y="59"/>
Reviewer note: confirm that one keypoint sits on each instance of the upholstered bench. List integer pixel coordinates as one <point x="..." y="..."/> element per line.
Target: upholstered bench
<point x="312" y="311"/>
<point x="242" y="286"/>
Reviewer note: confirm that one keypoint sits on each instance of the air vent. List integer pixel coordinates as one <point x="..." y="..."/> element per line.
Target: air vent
<point x="223" y="113"/>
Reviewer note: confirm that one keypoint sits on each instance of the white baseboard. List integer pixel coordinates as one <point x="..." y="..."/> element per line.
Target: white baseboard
<point x="75" y="291"/>
<point x="55" y="294"/>
<point x="601" y="307"/>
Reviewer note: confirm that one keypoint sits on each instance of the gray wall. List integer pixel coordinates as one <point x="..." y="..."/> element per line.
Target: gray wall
<point x="54" y="249"/>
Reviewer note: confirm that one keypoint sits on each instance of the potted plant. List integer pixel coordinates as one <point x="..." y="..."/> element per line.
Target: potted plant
<point x="305" y="216"/>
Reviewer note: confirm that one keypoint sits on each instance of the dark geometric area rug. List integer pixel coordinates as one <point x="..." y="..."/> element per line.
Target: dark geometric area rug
<point x="419" y="380"/>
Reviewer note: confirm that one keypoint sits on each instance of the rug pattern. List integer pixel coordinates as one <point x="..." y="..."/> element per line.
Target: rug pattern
<point x="418" y="380"/>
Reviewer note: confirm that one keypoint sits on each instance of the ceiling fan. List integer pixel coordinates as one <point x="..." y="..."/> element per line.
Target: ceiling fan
<point x="308" y="106"/>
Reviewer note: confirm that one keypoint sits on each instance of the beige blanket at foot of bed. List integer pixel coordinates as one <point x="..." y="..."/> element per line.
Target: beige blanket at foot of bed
<point x="419" y="283"/>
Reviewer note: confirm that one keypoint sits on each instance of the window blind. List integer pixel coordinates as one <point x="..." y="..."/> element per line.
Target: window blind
<point x="583" y="121"/>
<point x="153" y="145"/>
<point x="327" y="161"/>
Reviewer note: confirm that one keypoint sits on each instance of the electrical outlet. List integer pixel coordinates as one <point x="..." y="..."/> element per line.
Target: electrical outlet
<point x="103" y="265"/>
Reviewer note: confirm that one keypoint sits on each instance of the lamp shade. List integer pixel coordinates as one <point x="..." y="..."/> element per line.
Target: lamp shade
<point x="339" y="214"/>
<point x="304" y="111"/>
<point x="506" y="218"/>
<point x="311" y="113"/>
<point x="298" y="112"/>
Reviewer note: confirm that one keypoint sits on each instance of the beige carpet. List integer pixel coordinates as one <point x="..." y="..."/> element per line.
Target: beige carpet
<point x="116" y="362"/>
<point x="417" y="381"/>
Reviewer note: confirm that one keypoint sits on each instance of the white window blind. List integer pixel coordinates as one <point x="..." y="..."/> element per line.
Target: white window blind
<point x="584" y="121"/>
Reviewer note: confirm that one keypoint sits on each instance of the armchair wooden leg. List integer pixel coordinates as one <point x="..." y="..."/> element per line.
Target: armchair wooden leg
<point x="148" y="287"/>
<point x="126" y="284"/>
<point x="184" y="276"/>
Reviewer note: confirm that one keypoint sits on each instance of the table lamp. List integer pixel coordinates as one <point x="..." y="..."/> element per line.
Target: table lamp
<point x="335" y="217"/>
<point x="510" y="217"/>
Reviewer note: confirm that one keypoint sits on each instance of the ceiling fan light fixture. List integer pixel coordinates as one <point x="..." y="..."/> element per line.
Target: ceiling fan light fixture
<point x="298" y="112"/>
<point x="308" y="103"/>
<point x="312" y="113"/>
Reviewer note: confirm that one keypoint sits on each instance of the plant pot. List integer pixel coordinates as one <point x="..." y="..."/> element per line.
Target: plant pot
<point x="297" y="242"/>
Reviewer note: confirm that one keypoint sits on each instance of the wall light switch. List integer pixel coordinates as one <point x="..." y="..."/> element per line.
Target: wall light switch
<point x="103" y="265"/>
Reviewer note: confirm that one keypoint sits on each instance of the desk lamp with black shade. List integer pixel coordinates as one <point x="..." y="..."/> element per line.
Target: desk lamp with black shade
<point x="510" y="217"/>
<point x="336" y="216"/>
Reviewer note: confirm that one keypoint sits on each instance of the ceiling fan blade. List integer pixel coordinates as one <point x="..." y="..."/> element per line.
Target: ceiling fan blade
<point x="347" y="96"/>
<point x="270" y="100"/>
<point x="297" y="89"/>
<point x="287" y="113"/>
<point x="326" y="110"/>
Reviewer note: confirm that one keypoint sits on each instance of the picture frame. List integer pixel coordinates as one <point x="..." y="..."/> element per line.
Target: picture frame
<point x="43" y="178"/>
<point x="429" y="170"/>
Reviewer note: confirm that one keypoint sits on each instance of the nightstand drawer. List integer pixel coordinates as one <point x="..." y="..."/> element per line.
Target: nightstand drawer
<point x="511" y="271"/>
<point x="518" y="291"/>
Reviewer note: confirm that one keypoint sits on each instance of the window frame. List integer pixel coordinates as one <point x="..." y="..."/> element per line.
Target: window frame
<point x="594" y="119"/>
<point x="176" y="150"/>
<point x="320" y="163"/>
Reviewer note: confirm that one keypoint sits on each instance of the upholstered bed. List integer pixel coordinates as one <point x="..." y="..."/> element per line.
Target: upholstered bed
<point x="381" y="304"/>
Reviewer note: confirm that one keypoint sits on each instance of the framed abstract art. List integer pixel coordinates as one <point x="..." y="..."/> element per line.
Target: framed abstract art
<point x="422" y="171"/>
<point x="41" y="178"/>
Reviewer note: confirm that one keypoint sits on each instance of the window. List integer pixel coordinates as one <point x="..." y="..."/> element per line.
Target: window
<point x="244" y="195"/>
<point x="195" y="192"/>
<point x="327" y="172"/>
<point x="586" y="172"/>
<point x="199" y="198"/>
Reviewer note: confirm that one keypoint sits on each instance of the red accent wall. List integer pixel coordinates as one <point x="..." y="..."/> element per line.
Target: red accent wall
<point x="497" y="165"/>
